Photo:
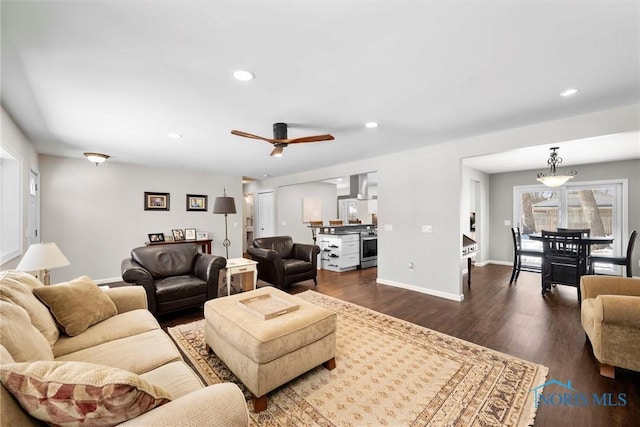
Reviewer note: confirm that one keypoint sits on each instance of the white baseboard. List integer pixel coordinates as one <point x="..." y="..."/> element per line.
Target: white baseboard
<point x="491" y="261"/>
<point x="432" y="292"/>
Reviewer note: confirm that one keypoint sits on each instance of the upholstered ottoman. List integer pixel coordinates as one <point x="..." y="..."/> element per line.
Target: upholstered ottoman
<point x="265" y="354"/>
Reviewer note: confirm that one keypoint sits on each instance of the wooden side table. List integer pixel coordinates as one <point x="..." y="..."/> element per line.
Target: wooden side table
<point x="205" y="243"/>
<point x="240" y="265"/>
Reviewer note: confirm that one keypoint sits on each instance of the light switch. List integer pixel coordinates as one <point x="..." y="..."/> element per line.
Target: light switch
<point x="388" y="227"/>
<point x="507" y="223"/>
<point x="427" y="229"/>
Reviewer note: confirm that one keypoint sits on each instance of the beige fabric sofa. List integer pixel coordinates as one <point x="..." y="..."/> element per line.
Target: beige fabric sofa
<point x="610" y="315"/>
<point x="131" y="340"/>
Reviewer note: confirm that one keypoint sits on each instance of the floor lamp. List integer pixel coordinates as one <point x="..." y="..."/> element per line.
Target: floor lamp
<point x="225" y="205"/>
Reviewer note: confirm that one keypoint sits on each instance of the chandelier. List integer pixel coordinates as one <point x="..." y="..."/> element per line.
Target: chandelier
<point x="554" y="178"/>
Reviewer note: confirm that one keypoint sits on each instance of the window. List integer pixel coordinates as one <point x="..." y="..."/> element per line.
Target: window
<point x="597" y="206"/>
<point x="10" y="220"/>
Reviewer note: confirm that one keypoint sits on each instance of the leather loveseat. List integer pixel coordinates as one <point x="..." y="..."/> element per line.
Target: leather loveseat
<point x="282" y="262"/>
<point x="174" y="277"/>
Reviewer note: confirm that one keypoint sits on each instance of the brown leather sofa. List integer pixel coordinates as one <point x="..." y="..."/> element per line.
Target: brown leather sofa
<point x="174" y="277"/>
<point x="282" y="262"/>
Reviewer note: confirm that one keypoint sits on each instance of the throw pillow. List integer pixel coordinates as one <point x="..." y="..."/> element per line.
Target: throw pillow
<point x="78" y="393"/>
<point x="17" y="287"/>
<point x="77" y="304"/>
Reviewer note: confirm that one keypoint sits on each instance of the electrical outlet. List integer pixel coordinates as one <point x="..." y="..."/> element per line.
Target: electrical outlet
<point x="388" y="227"/>
<point x="507" y="223"/>
<point x="411" y="266"/>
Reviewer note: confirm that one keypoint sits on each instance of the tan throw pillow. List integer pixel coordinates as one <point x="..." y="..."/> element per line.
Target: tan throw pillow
<point x="17" y="287"/>
<point x="19" y="337"/>
<point x="77" y="304"/>
<point x="78" y="393"/>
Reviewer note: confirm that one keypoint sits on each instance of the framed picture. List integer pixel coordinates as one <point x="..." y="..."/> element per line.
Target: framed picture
<point x="156" y="237"/>
<point x="156" y="201"/>
<point x="197" y="202"/>
<point x="190" y="234"/>
<point x="202" y="235"/>
<point x="177" y="234"/>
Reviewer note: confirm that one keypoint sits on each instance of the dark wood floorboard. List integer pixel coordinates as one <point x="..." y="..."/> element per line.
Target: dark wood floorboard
<point x="514" y="319"/>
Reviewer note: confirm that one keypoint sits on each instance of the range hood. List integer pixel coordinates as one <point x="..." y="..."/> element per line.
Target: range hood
<point x="359" y="187"/>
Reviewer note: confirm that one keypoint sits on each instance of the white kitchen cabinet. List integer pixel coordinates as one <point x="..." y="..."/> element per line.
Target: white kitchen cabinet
<point x="339" y="252"/>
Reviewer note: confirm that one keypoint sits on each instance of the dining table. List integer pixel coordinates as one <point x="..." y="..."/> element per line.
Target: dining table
<point x="587" y="242"/>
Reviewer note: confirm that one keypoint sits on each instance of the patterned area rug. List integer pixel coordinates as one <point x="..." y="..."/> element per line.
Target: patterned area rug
<point x="389" y="372"/>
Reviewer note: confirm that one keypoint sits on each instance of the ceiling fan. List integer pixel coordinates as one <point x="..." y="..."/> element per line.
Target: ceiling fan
<point x="280" y="140"/>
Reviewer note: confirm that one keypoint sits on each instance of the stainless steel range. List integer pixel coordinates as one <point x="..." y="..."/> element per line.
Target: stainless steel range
<point x="368" y="249"/>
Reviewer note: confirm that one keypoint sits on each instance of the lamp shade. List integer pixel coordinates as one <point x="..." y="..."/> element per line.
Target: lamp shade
<point x="224" y="205"/>
<point x="42" y="256"/>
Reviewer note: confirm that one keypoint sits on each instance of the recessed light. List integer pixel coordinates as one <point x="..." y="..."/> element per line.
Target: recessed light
<point x="243" y="75"/>
<point x="266" y="175"/>
<point x="568" y="92"/>
<point x="371" y="125"/>
<point x="175" y="135"/>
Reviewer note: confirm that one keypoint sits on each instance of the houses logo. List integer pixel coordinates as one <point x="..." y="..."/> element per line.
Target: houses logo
<point x="568" y="396"/>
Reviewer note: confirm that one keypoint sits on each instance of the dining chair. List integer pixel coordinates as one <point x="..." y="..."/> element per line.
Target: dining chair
<point x="585" y="232"/>
<point x="564" y="261"/>
<point x="610" y="260"/>
<point x="518" y="253"/>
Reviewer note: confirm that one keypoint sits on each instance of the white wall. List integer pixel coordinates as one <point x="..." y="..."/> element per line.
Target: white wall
<point x="18" y="145"/>
<point x="423" y="187"/>
<point x="289" y="208"/>
<point x="96" y="215"/>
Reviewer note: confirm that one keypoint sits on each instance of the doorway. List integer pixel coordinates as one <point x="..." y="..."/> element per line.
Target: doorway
<point x="265" y="215"/>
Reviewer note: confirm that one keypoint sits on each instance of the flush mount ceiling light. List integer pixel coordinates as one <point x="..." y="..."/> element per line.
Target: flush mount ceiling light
<point x="96" y="158"/>
<point x="243" y="75"/>
<point x="371" y="125"/>
<point x="569" y="92"/>
<point x="554" y="178"/>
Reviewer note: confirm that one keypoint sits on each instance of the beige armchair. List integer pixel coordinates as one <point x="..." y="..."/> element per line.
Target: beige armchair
<point x="610" y="315"/>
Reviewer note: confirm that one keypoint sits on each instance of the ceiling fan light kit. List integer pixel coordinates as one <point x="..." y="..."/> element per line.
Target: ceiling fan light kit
<point x="280" y="139"/>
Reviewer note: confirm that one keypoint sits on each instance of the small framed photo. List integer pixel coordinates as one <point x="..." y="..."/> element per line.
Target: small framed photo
<point x="156" y="237"/>
<point x="196" y="202"/>
<point x="190" y="234"/>
<point x="156" y="201"/>
<point x="178" y="234"/>
<point x="202" y="235"/>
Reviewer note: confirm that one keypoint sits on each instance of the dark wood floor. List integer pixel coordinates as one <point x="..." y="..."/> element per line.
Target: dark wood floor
<point x="514" y="319"/>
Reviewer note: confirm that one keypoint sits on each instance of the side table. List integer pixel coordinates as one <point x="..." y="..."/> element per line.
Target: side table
<point x="240" y="265"/>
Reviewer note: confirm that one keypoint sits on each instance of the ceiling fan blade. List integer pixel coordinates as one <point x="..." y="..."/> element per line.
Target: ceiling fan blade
<point x="315" y="138"/>
<point x="249" y="135"/>
<point x="277" y="152"/>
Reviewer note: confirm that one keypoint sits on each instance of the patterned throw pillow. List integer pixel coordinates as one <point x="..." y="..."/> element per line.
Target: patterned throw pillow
<point x="78" y="393"/>
<point x="76" y="304"/>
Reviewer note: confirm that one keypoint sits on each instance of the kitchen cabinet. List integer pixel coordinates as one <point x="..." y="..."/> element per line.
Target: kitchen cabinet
<point x="339" y="252"/>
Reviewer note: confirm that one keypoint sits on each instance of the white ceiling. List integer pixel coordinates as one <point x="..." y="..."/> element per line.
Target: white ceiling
<point x="117" y="77"/>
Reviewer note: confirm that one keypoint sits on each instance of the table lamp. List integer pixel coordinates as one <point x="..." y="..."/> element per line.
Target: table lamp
<point x="43" y="257"/>
<point x="225" y="205"/>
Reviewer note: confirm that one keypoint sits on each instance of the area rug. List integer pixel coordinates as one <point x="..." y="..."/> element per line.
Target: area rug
<point x="389" y="372"/>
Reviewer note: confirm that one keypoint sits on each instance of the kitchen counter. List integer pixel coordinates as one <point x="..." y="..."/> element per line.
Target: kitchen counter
<point x="344" y="229"/>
